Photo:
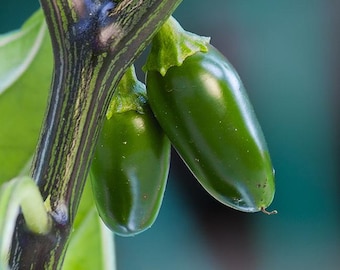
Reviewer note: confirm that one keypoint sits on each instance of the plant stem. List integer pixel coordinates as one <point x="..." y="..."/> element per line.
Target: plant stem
<point x="93" y="42"/>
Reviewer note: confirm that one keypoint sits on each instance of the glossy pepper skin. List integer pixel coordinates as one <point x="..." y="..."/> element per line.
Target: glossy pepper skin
<point x="131" y="162"/>
<point x="204" y="110"/>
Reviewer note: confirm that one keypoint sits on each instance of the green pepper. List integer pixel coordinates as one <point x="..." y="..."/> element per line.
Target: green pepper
<point x="203" y="107"/>
<point x="131" y="162"/>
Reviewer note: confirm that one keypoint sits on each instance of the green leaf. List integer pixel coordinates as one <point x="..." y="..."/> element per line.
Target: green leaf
<point x="20" y="192"/>
<point x="91" y="245"/>
<point x="19" y="48"/>
<point x="26" y="63"/>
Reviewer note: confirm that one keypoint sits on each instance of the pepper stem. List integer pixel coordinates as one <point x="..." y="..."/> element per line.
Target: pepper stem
<point x="172" y="45"/>
<point x="130" y="95"/>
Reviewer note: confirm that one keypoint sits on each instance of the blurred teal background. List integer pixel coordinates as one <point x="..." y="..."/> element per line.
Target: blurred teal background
<point x="287" y="53"/>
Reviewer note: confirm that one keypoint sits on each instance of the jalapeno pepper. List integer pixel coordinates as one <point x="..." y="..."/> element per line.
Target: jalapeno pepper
<point x="202" y="105"/>
<point x="131" y="162"/>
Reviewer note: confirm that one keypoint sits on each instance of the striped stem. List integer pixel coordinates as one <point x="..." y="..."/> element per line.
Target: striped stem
<point x="94" y="42"/>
